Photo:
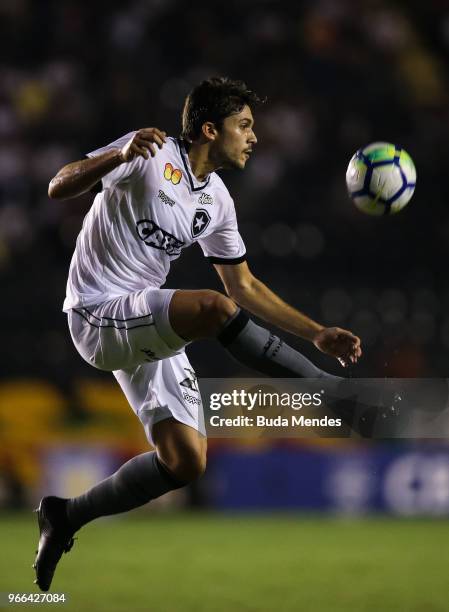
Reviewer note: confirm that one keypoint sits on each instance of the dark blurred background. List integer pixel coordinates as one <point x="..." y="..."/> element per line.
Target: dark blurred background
<point x="337" y="74"/>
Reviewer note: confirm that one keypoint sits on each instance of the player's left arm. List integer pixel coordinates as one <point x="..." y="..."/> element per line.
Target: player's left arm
<point x="253" y="295"/>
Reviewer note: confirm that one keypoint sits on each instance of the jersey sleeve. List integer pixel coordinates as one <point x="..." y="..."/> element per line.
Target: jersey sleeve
<point x="225" y="245"/>
<point x="125" y="171"/>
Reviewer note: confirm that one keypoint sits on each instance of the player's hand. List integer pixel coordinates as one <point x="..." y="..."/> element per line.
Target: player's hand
<point x="339" y="343"/>
<point x="142" y="143"/>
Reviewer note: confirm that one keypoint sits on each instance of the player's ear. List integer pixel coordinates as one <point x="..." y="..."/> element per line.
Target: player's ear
<point x="209" y="130"/>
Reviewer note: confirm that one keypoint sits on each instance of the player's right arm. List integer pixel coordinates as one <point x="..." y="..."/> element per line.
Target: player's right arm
<point x="80" y="176"/>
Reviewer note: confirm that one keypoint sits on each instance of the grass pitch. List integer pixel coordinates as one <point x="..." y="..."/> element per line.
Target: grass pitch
<point x="244" y="563"/>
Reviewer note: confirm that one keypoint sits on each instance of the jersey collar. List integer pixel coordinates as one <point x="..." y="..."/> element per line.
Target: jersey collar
<point x="195" y="184"/>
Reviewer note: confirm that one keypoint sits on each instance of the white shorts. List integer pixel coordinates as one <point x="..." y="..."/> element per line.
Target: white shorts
<point x="131" y="336"/>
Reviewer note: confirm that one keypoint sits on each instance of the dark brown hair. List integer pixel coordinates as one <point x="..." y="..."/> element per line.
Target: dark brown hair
<point x="213" y="100"/>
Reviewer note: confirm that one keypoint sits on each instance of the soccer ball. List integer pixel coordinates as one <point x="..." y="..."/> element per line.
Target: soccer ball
<point x="381" y="179"/>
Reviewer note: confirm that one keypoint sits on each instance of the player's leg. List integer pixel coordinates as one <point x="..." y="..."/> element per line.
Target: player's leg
<point x="199" y="314"/>
<point x="179" y="458"/>
<point x="206" y="314"/>
<point x="165" y="397"/>
<point x="210" y="314"/>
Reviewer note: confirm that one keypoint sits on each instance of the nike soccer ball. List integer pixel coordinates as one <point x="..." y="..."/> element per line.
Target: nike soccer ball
<point x="381" y="179"/>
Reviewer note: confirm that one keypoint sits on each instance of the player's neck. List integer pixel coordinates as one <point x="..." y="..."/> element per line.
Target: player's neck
<point x="200" y="161"/>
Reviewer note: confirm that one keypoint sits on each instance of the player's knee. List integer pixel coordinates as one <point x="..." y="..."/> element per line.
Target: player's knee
<point x="215" y="310"/>
<point x="188" y="467"/>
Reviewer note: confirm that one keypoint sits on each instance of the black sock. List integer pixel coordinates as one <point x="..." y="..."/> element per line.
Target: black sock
<point x="138" y="481"/>
<point x="256" y="347"/>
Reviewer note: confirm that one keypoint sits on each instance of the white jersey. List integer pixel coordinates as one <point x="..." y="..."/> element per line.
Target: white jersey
<point x="148" y="211"/>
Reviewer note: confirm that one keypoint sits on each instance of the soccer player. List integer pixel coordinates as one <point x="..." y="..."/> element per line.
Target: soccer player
<point x="160" y="195"/>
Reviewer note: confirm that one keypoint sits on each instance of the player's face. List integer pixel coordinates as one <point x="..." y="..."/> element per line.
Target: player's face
<point x="234" y="143"/>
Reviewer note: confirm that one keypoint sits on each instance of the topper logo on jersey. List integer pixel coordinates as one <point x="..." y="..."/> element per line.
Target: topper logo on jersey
<point x="154" y="236"/>
<point x="205" y="198"/>
<point x="200" y="221"/>
<point x="164" y="198"/>
<point x="174" y="175"/>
